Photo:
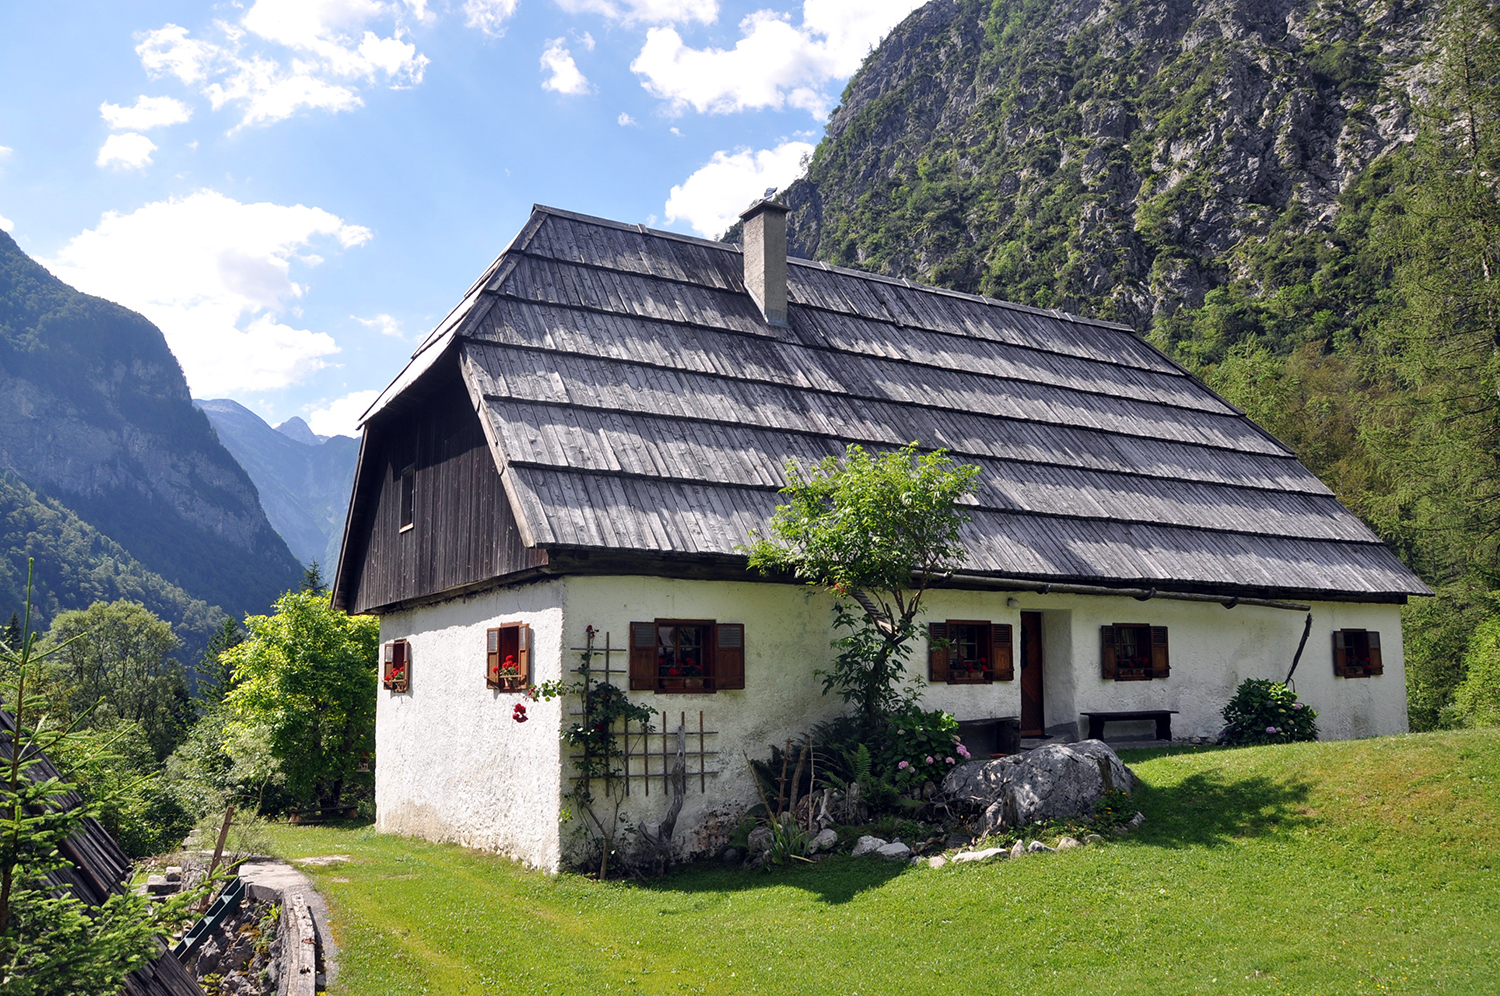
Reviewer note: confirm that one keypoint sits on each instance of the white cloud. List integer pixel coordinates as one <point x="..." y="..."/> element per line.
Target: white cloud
<point x="6" y="225"/>
<point x="774" y="64"/>
<point x="489" y="16"/>
<point x="625" y="120"/>
<point x="341" y="416"/>
<point x="647" y="11"/>
<point x="215" y="275"/>
<point x="146" y="113"/>
<point x="382" y="323"/>
<point x="331" y="54"/>
<point x="129" y="150"/>
<point x="712" y="198"/>
<point x="5" y="152"/>
<point x="565" y="77"/>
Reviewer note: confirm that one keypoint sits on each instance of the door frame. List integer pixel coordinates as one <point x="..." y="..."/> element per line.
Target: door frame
<point x="1033" y="692"/>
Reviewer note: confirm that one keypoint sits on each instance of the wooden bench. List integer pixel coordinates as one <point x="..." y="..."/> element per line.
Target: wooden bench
<point x="1163" y="719"/>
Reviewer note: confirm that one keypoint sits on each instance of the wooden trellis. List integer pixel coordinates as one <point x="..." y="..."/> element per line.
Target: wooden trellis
<point x="650" y="754"/>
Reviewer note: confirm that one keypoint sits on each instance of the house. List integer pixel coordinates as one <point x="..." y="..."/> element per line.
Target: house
<point x="579" y="450"/>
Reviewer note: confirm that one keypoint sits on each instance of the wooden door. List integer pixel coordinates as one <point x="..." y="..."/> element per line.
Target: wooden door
<point x="1031" y="674"/>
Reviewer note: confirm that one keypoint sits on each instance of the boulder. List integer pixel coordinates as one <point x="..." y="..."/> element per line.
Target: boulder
<point x="1068" y="844"/>
<point x="867" y="845"/>
<point x="971" y="856"/>
<point x="759" y="841"/>
<point x="824" y="841"/>
<point x="731" y="855"/>
<point x="894" y="851"/>
<point x="1037" y="847"/>
<point x="1049" y="782"/>
<point x="936" y="861"/>
<point x="157" y="885"/>
<point x="1018" y="849"/>
<point x="1093" y="838"/>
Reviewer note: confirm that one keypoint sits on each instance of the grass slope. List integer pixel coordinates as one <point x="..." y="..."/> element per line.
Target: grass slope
<point x="1355" y="867"/>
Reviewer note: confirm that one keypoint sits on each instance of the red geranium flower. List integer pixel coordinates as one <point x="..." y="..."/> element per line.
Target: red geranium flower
<point x="518" y="713"/>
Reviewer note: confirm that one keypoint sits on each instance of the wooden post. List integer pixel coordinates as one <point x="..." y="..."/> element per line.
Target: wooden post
<point x="219" y="848"/>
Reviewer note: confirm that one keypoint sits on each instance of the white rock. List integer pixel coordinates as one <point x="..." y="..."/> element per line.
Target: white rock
<point x="1018" y="849"/>
<point x="894" y="851"/>
<point x="824" y="841"/>
<point x="867" y="845"/>
<point x="990" y="852"/>
<point x="936" y="861"/>
<point x="1037" y="847"/>
<point x="1093" y="838"/>
<point x="1138" y="819"/>
<point x="1068" y="843"/>
<point x="1051" y="781"/>
<point x="759" y="841"/>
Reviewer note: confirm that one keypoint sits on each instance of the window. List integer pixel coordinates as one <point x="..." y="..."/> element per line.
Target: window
<point x="961" y="652"/>
<point x="396" y="674"/>
<point x="507" y="657"/>
<point x="1133" y="652"/>
<point x="1356" y="653"/>
<point x="686" y="655"/>
<point x="408" y="497"/>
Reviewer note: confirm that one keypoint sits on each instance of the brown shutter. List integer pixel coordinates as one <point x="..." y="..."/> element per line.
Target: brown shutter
<point x="642" y="656"/>
<point x="1107" y="652"/>
<point x="1004" y="658"/>
<point x="1160" y="666"/>
<point x="523" y="654"/>
<point x="492" y="658"/>
<point x="1376" y="667"/>
<point x="397" y="666"/>
<point x="729" y="656"/>
<point x="937" y="653"/>
<point x="388" y="664"/>
<point x="1340" y="655"/>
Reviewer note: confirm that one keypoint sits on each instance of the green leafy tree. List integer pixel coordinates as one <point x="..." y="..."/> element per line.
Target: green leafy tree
<point x="116" y="654"/>
<point x="1476" y="701"/>
<point x="307" y="676"/>
<point x="877" y="531"/>
<point x="50" y="943"/>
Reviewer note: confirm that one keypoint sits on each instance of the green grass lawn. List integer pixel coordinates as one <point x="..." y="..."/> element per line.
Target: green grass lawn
<point x="1356" y="867"/>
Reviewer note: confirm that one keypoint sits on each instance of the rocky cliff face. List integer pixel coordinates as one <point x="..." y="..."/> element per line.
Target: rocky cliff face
<point x="94" y="412"/>
<point x="303" y="479"/>
<point x="1105" y="157"/>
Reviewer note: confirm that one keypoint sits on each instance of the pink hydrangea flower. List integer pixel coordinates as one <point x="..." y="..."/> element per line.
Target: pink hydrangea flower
<point x="1296" y="705"/>
<point x="950" y="760"/>
<point x="904" y="765"/>
<point x="929" y="758"/>
<point x="963" y="752"/>
<point x="1271" y="729"/>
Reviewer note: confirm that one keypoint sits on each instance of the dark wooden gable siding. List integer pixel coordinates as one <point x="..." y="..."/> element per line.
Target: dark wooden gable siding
<point x="463" y="531"/>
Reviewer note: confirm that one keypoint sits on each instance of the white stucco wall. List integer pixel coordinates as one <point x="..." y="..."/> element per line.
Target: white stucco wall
<point x="452" y="765"/>
<point x="450" y="762"/>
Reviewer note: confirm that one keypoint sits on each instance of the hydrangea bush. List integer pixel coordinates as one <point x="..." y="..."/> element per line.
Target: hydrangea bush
<point x="923" y="744"/>
<point x="1267" y="712"/>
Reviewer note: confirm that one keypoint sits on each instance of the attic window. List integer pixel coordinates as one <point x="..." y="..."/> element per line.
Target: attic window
<point x="507" y="666"/>
<point x="396" y="670"/>
<point x="408" y="497"/>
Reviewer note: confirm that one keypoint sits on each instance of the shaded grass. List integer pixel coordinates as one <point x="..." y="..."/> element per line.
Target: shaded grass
<point x="1356" y="867"/>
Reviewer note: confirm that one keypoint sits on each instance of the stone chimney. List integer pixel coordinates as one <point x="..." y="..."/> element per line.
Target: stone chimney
<point x="765" y="258"/>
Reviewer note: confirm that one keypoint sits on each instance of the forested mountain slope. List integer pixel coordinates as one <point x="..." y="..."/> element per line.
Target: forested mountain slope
<point x="1296" y="198"/>
<point x="304" y="480"/>
<point x="95" y="413"/>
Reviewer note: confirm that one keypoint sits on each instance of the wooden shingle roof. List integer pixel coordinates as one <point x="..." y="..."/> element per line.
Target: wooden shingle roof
<point x="636" y="401"/>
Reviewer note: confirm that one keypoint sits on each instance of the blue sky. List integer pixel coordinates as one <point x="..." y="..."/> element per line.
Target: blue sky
<point x="295" y="191"/>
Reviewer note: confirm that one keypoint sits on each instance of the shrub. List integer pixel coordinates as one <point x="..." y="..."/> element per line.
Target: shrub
<point x="1476" y="701"/>
<point x="918" y="745"/>
<point x="1267" y="712"/>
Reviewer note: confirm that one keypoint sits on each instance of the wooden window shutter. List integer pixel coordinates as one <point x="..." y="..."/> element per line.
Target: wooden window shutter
<point x="1160" y="665"/>
<point x="642" y="656"/>
<point x="1376" y="666"/>
<point x="937" y="653"/>
<point x="1340" y="655"/>
<point x="1003" y="651"/>
<point x="523" y="654"/>
<point x="729" y="655"/>
<point x="492" y="658"/>
<point x="1107" y="652"/>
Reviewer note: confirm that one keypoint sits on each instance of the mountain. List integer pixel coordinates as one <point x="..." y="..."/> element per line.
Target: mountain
<point x="95" y="416"/>
<point x="304" y="479"/>
<point x="76" y="565"/>
<point x="1107" y="157"/>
